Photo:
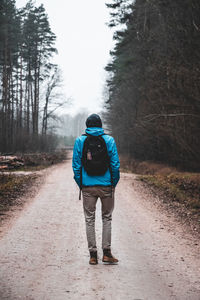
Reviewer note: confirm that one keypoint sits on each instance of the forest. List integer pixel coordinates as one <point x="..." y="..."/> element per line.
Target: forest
<point x="152" y="94"/>
<point x="153" y="80"/>
<point x="29" y="81"/>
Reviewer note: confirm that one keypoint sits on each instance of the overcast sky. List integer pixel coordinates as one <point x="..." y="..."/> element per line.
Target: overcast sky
<point x="83" y="43"/>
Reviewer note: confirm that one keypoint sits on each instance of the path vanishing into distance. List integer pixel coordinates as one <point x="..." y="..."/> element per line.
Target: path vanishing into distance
<point x="44" y="256"/>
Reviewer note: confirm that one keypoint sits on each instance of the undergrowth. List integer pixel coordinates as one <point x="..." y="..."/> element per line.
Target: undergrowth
<point x="180" y="187"/>
<point x="11" y="187"/>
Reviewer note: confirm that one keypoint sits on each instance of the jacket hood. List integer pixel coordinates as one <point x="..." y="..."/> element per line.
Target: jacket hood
<point x="95" y="131"/>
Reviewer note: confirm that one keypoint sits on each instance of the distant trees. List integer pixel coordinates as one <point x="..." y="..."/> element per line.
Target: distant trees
<point x="70" y="127"/>
<point x="153" y="106"/>
<point x="26" y="46"/>
<point x="73" y="125"/>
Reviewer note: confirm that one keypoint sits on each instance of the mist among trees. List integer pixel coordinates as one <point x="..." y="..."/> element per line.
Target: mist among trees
<point x="69" y="127"/>
<point x="153" y="90"/>
<point x="29" y="80"/>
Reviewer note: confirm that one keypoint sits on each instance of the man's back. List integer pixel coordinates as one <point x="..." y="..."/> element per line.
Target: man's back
<point x="97" y="186"/>
<point x="102" y="180"/>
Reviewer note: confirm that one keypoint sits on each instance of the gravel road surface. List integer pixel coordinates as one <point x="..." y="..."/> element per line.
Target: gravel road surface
<point x="44" y="256"/>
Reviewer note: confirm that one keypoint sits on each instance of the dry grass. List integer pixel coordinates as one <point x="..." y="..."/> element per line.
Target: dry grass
<point x="39" y="161"/>
<point x="177" y="186"/>
<point x="11" y="187"/>
<point x="181" y="187"/>
<point x="144" y="167"/>
<point x="44" y="159"/>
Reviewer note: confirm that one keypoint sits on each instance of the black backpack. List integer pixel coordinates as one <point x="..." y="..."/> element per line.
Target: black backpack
<point x="95" y="159"/>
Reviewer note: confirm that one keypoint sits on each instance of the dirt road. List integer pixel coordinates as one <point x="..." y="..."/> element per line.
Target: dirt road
<point x="43" y="256"/>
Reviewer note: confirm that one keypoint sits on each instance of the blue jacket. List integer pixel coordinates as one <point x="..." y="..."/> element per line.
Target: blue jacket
<point x="103" y="180"/>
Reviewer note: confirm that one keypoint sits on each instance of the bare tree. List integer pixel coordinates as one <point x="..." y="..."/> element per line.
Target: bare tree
<point x="54" y="99"/>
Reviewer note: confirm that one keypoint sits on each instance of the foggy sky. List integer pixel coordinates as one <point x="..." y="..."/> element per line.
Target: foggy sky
<point x="83" y="43"/>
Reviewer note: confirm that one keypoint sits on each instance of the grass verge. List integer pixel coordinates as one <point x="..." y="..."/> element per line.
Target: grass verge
<point x="179" y="191"/>
<point x="13" y="185"/>
<point x="35" y="161"/>
<point x="183" y="188"/>
<point x="11" y="188"/>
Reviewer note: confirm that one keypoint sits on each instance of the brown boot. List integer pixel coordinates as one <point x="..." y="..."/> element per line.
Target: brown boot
<point x="108" y="257"/>
<point x="93" y="258"/>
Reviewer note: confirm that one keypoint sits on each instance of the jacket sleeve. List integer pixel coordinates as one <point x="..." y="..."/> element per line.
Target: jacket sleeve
<point x="114" y="162"/>
<point x="76" y="161"/>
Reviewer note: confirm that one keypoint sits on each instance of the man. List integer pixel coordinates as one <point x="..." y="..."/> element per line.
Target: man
<point x="97" y="186"/>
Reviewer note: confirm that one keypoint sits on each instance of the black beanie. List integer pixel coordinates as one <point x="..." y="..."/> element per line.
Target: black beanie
<point x="93" y="121"/>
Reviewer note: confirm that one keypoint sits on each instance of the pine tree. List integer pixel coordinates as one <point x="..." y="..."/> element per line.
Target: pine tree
<point x="153" y="75"/>
<point x="9" y="36"/>
<point x="39" y="44"/>
<point x="26" y="47"/>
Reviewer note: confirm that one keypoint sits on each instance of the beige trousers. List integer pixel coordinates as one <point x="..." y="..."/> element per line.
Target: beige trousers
<point x="90" y="196"/>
